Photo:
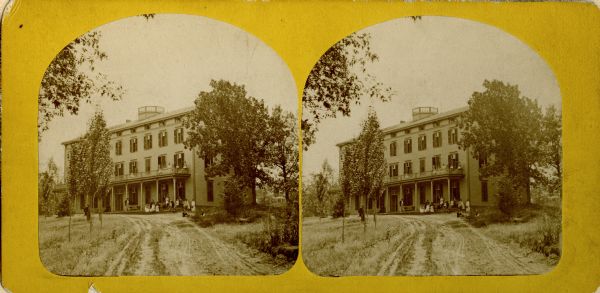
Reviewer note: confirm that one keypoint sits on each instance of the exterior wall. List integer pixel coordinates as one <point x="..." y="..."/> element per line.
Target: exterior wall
<point x="467" y="173"/>
<point x="192" y="174"/>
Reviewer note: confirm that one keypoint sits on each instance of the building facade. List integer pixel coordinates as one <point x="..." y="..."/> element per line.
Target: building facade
<point x="151" y="164"/>
<point x="425" y="164"/>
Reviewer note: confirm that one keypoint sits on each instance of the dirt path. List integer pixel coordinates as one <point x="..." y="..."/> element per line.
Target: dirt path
<point x="445" y="245"/>
<point x="167" y="244"/>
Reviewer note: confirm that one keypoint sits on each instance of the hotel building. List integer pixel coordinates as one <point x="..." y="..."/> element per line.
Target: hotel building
<point x="425" y="164"/>
<point x="152" y="164"/>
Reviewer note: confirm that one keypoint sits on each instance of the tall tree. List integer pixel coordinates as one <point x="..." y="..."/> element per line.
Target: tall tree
<point x="340" y="79"/>
<point x="321" y="184"/>
<point x="97" y="163"/>
<point x="46" y="195"/>
<point x="75" y="190"/>
<point x="283" y="151"/>
<point x="72" y="78"/>
<point x="348" y="169"/>
<point x="232" y="128"/>
<point x="552" y="139"/>
<point x="505" y="128"/>
<point x="370" y="161"/>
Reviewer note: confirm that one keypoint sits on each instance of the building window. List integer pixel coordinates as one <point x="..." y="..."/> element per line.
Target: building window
<point x="394" y="170"/>
<point x="133" y="195"/>
<point x="452" y="136"/>
<point x="177" y="119"/>
<point x="132" y="167"/>
<point x="162" y="138"/>
<point x="147" y="165"/>
<point x="408" y="145"/>
<point x="147" y="126"/>
<point x="437" y="139"/>
<point x="132" y="130"/>
<point x="147" y="141"/>
<point x="436" y="162"/>
<point x="162" y="161"/>
<point x="422" y="196"/>
<point x="161" y="123"/>
<point x="133" y="145"/>
<point x="422" y="165"/>
<point x="119" y="133"/>
<point x="393" y="149"/>
<point x="436" y="124"/>
<point x="422" y="141"/>
<point x="393" y="134"/>
<point x="422" y="127"/>
<point x="208" y="162"/>
<point x="209" y="191"/>
<point x="119" y="169"/>
<point x="484" y="191"/>
<point x="118" y="148"/>
<point x="180" y="189"/>
<point x="178" y="134"/>
<point x="408" y="167"/>
<point x="407" y="131"/>
<point x="178" y="160"/>
<point x="453" y="161"/>
<point x="482" y="160"/>
<point x="454" y="190"/>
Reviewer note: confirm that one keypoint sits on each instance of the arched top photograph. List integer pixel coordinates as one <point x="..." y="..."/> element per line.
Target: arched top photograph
<point x="166" y="142"/>
<point x="433" y="147"/>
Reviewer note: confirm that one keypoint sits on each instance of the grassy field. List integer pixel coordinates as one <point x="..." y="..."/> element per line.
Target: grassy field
<point x="85" y="254"/>
<point x="324" y="252"/>
<point x="535" y="227"/>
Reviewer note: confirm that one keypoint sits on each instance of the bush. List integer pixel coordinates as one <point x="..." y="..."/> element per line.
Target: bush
<point x="508" y="199"/>
<point x="63" y="209"/>
<point x="279" y="234"/>
<point x="233" y="197"/>
<point x="338" y="207"/>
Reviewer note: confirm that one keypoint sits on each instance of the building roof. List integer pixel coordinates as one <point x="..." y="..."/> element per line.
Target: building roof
<point x="411" y="124"/>
<point x="154" y="118"/>
<point x="136" y="123"/>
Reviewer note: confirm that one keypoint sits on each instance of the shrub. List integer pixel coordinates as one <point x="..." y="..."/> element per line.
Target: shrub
<point x="279" y="234"/>
<point x="63" y="207"/>
<point x="233" y="197"/>
<point x="508" y="199"/>
<point x="338" y="207"/>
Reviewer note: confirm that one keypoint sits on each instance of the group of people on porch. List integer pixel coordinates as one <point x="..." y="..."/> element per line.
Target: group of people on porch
<point x="169" y="204"/>
<point x="431" y="207"/>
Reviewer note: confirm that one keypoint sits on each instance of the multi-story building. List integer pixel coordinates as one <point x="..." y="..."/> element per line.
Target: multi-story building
<point x="152" y="164"/>
<point x="426" y="164"/>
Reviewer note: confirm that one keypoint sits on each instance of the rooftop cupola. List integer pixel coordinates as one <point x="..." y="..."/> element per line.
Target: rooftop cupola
<point x="149" y="111"/>
<point x="419" y="113"/>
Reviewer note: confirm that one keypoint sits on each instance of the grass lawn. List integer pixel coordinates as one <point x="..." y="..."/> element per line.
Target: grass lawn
<point x="85" y="254"/>
<point x="534" y="227"/>
<point x="325" y="254"/>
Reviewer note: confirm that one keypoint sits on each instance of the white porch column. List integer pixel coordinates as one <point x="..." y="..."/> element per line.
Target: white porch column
<point x="448" y="181"/>
<point x="431" y="191"/>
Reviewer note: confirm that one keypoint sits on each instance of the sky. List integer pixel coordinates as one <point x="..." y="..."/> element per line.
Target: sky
<point x="438" y="62"/>
<point x="166" y="61"/>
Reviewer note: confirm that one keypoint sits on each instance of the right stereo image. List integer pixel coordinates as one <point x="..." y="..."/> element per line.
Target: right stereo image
<point x="432" y="147"/>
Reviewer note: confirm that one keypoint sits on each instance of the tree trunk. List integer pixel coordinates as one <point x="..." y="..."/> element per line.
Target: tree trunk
<point x="100" y="212"/>
<point x="253" y="193"/>
<point x="69" y="227"/>
<point x="343" y="219"/>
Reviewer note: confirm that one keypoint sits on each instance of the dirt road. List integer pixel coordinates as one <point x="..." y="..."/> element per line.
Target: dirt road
<point x="158" y="244"/>
<point x="419" y="245"/>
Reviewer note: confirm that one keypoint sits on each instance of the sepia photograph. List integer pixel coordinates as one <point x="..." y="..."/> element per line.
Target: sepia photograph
<point x="433" y="148"/>
<point x="168" y="145"/>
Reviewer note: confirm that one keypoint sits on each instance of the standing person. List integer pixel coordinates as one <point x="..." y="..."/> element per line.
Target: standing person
<point x="193" y="206"/>
<point x="401" y="205"/>
<point x="126" y="204"/>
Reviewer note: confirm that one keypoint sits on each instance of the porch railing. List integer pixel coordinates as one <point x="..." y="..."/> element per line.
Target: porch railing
<point x="427" y="174"/>
<point x="152" y="173"/>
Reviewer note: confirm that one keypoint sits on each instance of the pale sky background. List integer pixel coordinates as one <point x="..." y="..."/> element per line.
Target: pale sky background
<point x="438" y="62"/>
<point x="166" y="61"/>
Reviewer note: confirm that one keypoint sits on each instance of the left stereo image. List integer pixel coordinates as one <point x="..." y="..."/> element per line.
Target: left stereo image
<point x="168" y="145"/>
